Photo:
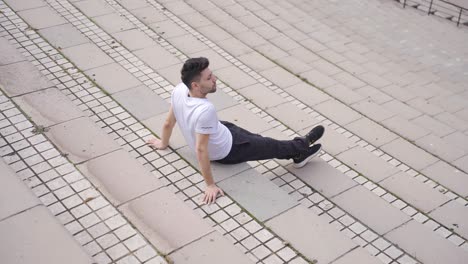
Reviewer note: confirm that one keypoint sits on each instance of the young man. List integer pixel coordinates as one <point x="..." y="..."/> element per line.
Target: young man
<point x="223" y="142"/>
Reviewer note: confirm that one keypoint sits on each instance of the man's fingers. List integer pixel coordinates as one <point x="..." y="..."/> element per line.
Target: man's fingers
<point x="221" y="192"/>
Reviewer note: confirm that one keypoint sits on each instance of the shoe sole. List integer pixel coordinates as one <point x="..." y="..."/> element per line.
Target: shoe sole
<point x="304" y="162"/>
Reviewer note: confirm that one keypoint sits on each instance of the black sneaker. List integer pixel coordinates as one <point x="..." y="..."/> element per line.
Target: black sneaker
<point x="302" y="160"/>
<point x="315" y="134"/>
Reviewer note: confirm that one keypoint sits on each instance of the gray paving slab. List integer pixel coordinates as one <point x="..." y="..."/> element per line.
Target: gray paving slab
<point x="318" y="79"/>
<point x="458" y="139"/>
<point x="307" y="94"/>
<point x="426" y="245"/>
<point x="311" y="235"/>
<point x="119" y="176"/>
<point x="155" y="124"/>
<point x="408" y="153"/>
<point x="448" y="176"/>
<point x="440" y="148"/>
<point x="133" y="39"/>
<point x="401" y="109"/>
<point x="87" y="56"/>
<point x="257" y="194"/>
<point x="372" y="110"/>
<point x="436" y="127"/>
<point x="420" y="195"/>
<point x="453" y="215"/>
<point x="242" y="117"/>
<point x="171" y="73"/>
<point x="262" y="96"/>
<point x="256" y="61"/>
<point x="371" y="131"/>
<point x="425" y="107"/>
<point x="41" y="17"/>
<point x="211" y="249"/>
<point x="8" y="53"/>
<point x="157" y="57"/>
<point x="321" y="176"/>
<point x="166" y="221"/>
<point x="221" y="100"/>
<point x="48" y="107"/>
<point x="133" y="4"/>
<point x="94" y="8"/>
<point x="344" y="94"/>
<point x="26" y="233"/>
<point x="462" y="163"/>
<point x="113" y="22"/>
<point x="188" y="44"/>
<point x="167" y="28"/>
<point x="22" y="77"/>
<point x="63" y="36"/>
<point x="19" y="5"/>
<point x="234" y="47"/>
<point x="148" y="15"/>
<point x="280" y="77"/>
<point x="294" y="65"/>
<point x="15" y="197"/>
<point x="81" y="139"/>
<point x="220" y="171"/>
<point x="214" y="32"/>
<point x="368" y="164"/>
<point x="284" y="112"/>
<point x="358" y="255"/>
<point x="234" y="77"/>
<point x="369" y="209"/>
<point x="112" y="78"/>
<point x="141" y="102"/>
<point x="337" y="112"/>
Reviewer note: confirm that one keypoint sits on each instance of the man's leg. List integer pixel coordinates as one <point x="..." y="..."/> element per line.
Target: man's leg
<point x="247" y="146"/>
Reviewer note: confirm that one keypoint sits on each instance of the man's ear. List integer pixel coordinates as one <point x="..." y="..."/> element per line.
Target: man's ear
<point x="195" y="85"/>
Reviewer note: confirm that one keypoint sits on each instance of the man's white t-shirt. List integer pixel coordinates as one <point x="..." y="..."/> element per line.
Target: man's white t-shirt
<point x="198" y="115"/>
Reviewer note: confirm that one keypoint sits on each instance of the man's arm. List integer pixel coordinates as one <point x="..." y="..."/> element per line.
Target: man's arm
<point x="168" y="125"/>
<point x="212" y="190"/>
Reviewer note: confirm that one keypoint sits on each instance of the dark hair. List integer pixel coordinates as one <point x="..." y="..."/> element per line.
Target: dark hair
<point x="191" y="70"/>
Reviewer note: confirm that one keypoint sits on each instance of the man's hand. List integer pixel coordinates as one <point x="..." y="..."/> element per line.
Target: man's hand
<point x="211" y="193"/>
<point x="156" y="143"/>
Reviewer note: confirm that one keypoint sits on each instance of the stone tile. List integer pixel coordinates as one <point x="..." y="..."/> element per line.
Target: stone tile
<point x="337" y="112"/>
<point x="280" y="77"/>
<point x="188" y="43"/>
<point x="155" y="124"/>
<point x="119" y="176"/>
<point x="214" y="33"/>
<point x="167" y="29"/>
<point x="148" y="15"/>
<point x="221" y="100"/>
<point x="63" y="36"/>
<point x="349" y="80"/>
<point x="211" y="249"/>
<point x="133" y="39"/>
<point x="234" y="77"/>
<point x="41" y="17"/>
<point x="418" y="194"/>
<point x="372" y="110"/>
<point x="270" y="51"/>
<point x="371" y="131"/>
<point x="358" y="255"/>
<point x="369" y="209"/>
<point x="242" y="117"/>
<point x="401" y="109"/>
<point x="133" y="4"/>
<point x="262" y="96"/>
<point x="344" y="94"/>
<point x="301" y="228"/>
<point x="318" y="79"/>
<point x="406" y="152"/>
<point x="48" y="107"/>
<point x="234" y="47"/>
<point x="431" y="124"/>
<point x="373" y="94"/>
<point x="113" y="22"/>
<point x="321" y="176"/>
<point x="294" y="65"/>
<point x="258" y="195"/>
<point x="425" y="107"/>
<point x="398" y="92"/>
<point x="453" y="215"/>
<point x="112" y="78"/>
<point x="449" y="176"/>
<point x="305" y="54"/>
<point x="15" y="196"/>
<point x="141" y="102"/>
<point x="307" y="94"/>
<point x="457" y="139"/>
<point x="284" y="112"/>
<point x="25" y="233"/>
<point x="452" y="121"/>
<point x="81" y="139"/>
<point x="22" y="77"/>
<point x="157" y="58"/>
<point x="165" y="220"/>
<point x="368" y="164"/>
<point x="256" y="61"/>
<point x="405" y="128"/>
<point x="440" y="148"/>
<point x="196" y="19"/>
<point x="374" y="80"/>
<point x="94" y="8"/>
<point x="171" y="74"/>
<point x="220" y="171"/>
<point x="430" y="248"/>
<point x="87" y="56"/>
<point x="8" y="53"/>
<point x="19" y="5"/>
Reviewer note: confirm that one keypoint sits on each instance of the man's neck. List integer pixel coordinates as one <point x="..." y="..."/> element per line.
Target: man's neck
<point x="196" y="95"/>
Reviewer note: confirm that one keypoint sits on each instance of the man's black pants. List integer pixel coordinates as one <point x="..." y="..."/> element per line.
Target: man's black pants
<point x="247" y="146"/>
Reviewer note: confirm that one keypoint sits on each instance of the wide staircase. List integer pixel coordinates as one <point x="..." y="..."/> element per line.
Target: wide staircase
<point x="83" y="85"/>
